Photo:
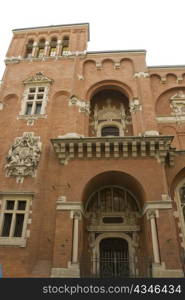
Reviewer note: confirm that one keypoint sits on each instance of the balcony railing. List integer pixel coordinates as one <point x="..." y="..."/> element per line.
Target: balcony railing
<point x="114" y="147"/>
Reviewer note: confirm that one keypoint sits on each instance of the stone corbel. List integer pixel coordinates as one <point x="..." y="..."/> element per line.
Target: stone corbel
<point x="141" y="74"/>
<point x="163" y="80"/>
<point x="83" y="105"/>
<point x="116" y="65"/>
<point x="98" y="65"/>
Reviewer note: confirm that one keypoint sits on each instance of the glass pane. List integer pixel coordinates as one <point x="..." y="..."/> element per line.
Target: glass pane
<point x="19" y="225"/>
<point x="30" y="97"/>
<point x="40" y="96"/>
<point x="32" y="90"/>
<point x="7" y="224"/>
<point x="21" y="205"/>
<point x="41" y="89"/>
<point x="10" y="204"/>
<point x="28" y="109"/>
<point x="38" y="108"/>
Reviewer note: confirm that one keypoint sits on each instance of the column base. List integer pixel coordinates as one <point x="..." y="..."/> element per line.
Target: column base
<point x="72" y="271"/>
<point x="160" y="271"/>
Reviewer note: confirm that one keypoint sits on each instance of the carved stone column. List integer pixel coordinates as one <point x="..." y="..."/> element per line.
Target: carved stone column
<point x="76" y="217"/>
<point x="155" y="244"/>
<point x="46" y="48"/>
<point x="34" y="50"/>
<point x="59" y="48"/>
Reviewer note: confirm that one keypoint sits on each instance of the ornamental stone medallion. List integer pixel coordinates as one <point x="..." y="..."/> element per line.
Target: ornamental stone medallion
<point x="23" y="157"/>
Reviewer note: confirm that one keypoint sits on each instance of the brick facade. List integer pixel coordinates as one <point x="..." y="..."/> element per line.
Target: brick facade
<point x="61" y="158"/>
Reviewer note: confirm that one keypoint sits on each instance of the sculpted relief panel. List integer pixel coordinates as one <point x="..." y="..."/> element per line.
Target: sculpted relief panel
<point x="23" y="157"/>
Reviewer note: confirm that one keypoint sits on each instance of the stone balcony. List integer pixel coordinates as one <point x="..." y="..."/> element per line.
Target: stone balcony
<point x="89" y="148"/>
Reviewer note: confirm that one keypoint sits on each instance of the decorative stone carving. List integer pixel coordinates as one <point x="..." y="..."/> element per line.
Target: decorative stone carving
<point x="91" y="239"/>
<point x="37" y="79"/>
<point x="177" y="104"/>
<point x="107" y="114"/>
<point x="23" y="157"/>
<point x="135" y="105"/>
<point x="141" y="74"/>
<point x="83" y="105"/>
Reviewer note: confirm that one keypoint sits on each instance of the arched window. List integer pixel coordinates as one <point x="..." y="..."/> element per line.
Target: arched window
<point x="65" y="45"/>
<point x="112" y="199"/>
<point x="41" y="47"/>
<point x="110" y="131"/>
<point x="29" y="49"/>
<point x="53" y="47"/>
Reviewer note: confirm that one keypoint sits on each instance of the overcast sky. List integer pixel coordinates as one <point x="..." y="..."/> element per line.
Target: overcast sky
<point x="155" y="25"/>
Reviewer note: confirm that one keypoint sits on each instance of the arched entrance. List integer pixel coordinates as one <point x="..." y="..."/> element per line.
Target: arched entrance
<point x="112" y="212"/>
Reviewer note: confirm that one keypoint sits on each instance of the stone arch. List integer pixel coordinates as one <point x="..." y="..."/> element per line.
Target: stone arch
<point x="118" y="178"/>
<point x="113" y="84"/>
<point x="110" y="102"/>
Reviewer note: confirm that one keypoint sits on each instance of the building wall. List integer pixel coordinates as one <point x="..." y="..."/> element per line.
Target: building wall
<point x="81" y="74"/>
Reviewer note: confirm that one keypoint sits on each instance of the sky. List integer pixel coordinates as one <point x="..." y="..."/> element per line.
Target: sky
<point x="154" y="25"/>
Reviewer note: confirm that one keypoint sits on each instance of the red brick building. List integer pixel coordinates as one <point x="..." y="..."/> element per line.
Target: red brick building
<point x="92" y="177"/>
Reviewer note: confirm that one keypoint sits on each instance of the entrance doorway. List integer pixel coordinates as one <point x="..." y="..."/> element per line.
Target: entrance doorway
<point x="114" y="258"/>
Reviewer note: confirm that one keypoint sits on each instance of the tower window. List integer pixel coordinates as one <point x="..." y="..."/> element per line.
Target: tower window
<point x="65" y="45"/>
<point x="53" y="47"/>
<point x="29" y="49"/>
<point x="110" y="131"/>
<point x="41" y="47"/>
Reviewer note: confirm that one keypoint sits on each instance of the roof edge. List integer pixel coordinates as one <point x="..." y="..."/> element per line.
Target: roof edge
<point x="53" y="26"/>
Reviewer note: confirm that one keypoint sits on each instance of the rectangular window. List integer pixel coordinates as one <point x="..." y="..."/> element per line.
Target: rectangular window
<point x="13" y="220"/>
<point x="32" y="105"/>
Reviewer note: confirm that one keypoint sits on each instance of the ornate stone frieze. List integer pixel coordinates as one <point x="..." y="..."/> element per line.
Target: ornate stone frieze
<point x="83" y="105"/>
<point x="23" y="157"/>
<point x="177" y="104"/>
<point x="106" y="116"/>
<point x="37" y="79"/>
<point x="141" y="74"/>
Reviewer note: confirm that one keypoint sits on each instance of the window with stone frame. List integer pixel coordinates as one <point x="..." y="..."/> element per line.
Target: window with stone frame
<point x="53" y="47"/>
<point x="35" y="95"/>
<point x="29" y="49"/>
<point x="41" y="48"/>
<point x="65" y="45"/>
<point x="35" y="100"/>
<point x="14" y="218"/>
